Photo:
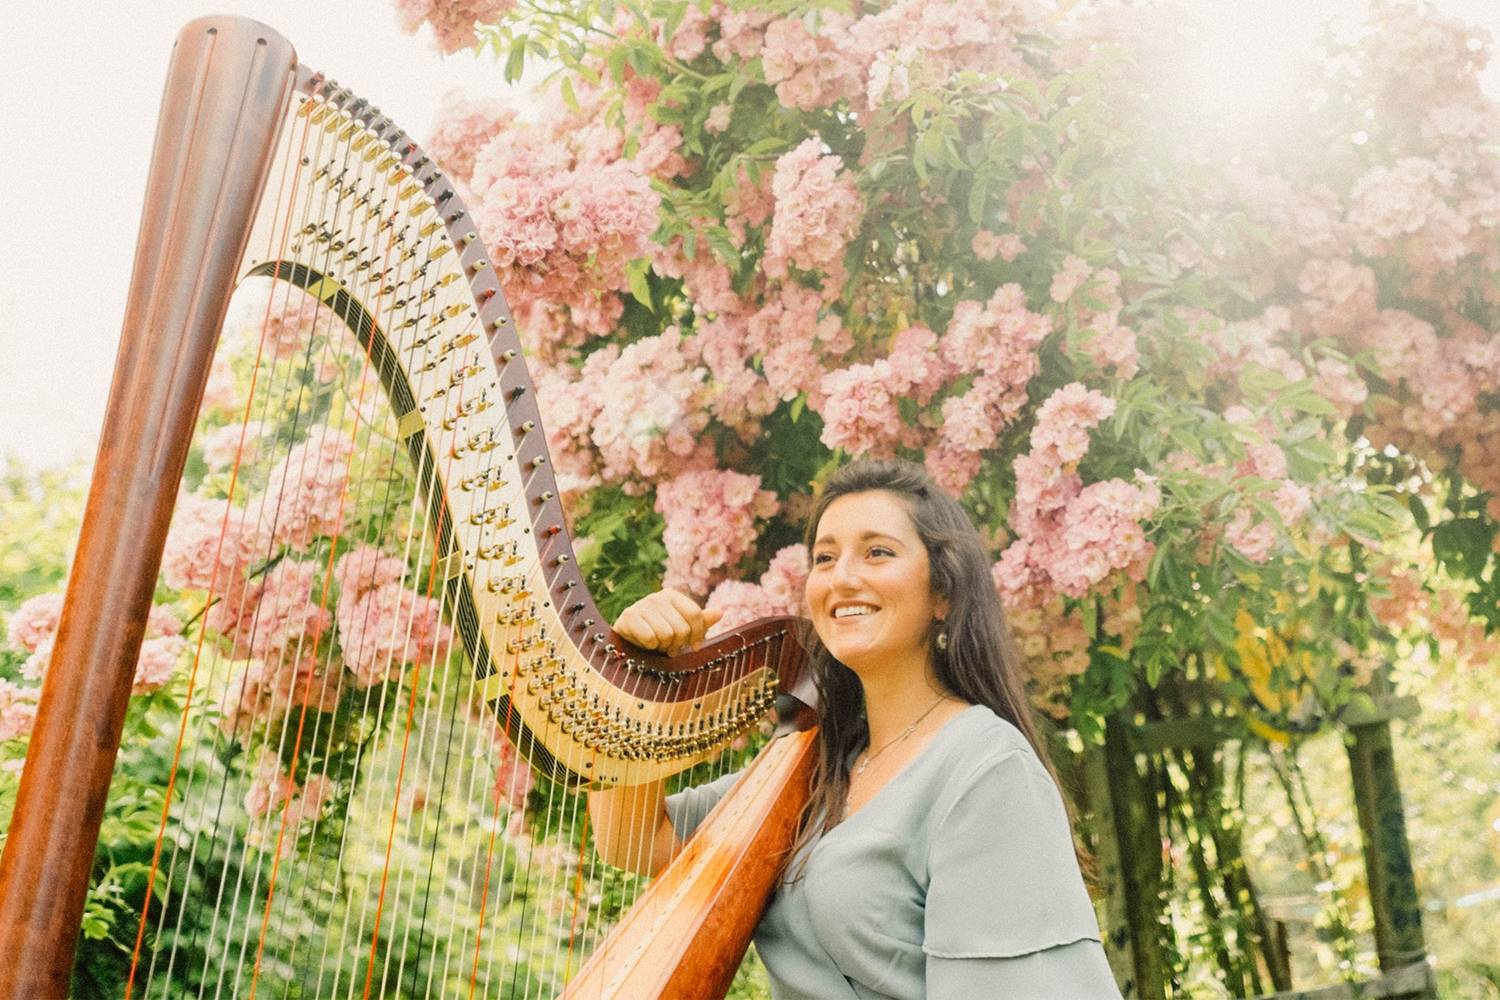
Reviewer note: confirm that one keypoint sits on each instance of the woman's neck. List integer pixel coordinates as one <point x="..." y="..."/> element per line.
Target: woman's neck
<point x="895" y="699"/>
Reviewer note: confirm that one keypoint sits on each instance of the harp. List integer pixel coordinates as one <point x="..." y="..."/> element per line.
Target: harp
<point x="266" y="171"/>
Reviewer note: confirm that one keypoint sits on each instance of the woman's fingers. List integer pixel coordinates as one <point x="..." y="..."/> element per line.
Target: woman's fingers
<point x="668" y="620"/>
<point x="670" y="627"/>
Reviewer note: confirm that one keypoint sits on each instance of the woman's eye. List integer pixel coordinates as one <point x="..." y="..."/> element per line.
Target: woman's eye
<point x="821" y="557"/>
<point x="877" y="551"/>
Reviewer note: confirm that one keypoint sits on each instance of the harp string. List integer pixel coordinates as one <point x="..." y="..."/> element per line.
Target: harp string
<point x="297" y="742"/>
<point x="517" y="914"/>
<point x="260" y="827"/>
<point x="197" y="659"/>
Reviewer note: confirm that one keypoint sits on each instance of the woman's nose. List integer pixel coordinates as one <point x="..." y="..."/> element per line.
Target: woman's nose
<point x="845" y="574"/>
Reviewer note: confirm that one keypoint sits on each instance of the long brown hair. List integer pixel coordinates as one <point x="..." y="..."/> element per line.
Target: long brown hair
<point x="981" y="664"/>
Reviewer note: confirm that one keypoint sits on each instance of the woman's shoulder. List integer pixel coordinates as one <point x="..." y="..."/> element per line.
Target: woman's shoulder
<point x="983" y="736"/>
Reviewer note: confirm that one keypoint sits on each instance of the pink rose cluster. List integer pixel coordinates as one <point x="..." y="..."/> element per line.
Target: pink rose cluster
<point x="562" y="226"/>
<point x="289" y="321"/>
<point x="1071" y="538"/>
<point x="304" y="495"/>
<point x="383" y="625"/>
<point x="634" y="416"/>
<point x="1096" y="332"/>
<point x="18" y="705"/>
<point x="222" y="445"/>
<point x="710" y="523"/>
<point x="268" y="691"/>
<point x="452" y="21"/>
<point x="33" y="628"/>
<point x="462" y="127"/>
<point x="810" y="61"/>
<point x="1054" y="646"/>
<point x="797" y="341"/>
<point x="859" y="403"/>
<point x="996" y="342"/>
<point x="779" y="592"/>
<point x="987" y="246"/>
<point x="1442" y="380"/>
<point x="34" y="622"/>
<point x="276" y="616"/>
<point x="818" y="59"/>
<point x="818" y="212"/>
<point x="210" y="543"/>
<point x="274" y="794"/>
<point x="653" y="408"/>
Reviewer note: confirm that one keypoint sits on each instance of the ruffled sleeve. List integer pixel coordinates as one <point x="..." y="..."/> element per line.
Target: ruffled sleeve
<point x="1006" y="910"/>
<point x="688" y="808"/>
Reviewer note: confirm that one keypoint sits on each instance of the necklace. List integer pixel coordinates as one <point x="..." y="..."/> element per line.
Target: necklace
<point x="905" y="733"/>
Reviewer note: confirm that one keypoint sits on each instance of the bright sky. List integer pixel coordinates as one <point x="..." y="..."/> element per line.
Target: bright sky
<point x="79" y="89"/>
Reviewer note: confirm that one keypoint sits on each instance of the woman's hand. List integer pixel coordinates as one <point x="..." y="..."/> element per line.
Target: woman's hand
<point x="666" y="620"/>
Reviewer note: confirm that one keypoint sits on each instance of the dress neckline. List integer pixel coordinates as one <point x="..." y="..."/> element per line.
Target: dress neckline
<point x="910" y="766"/>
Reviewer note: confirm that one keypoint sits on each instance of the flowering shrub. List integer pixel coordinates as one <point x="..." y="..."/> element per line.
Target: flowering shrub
<point x="1173" y="385"/>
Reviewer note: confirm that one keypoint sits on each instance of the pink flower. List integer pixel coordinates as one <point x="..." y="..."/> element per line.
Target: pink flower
<point x="365" y="568"/>
<point x="386" y="629"/>
<point x="1075" y="271"/>
<point x="563" y="230"/>
<point x="998" y="341"/>
<point x="797" y="342"/>
<point x="34" y="622"/>
<point x="718" y="119"/>
<point x="1064" y="420"/>
<point x="211" y="543"/>
<point x="462" y="128"/>
<point x="785" y="579"/>
<point x="269" y="786"/>
<point x="809" y="60"/>
<point x="17" y="710"/>
<point x="221" y="394"/>
<point x="741" y="603"/>
<point x="304" y="496"/>
<point x="710" y="517"/>
<point x="290" y="320"/>
<point x="222" y="445"/>
<point x="818" y="213"/>
<point x="269" y="617"/>
<point x="1253" y="539"/>
<point x="859" y="409"/>
<point x="987" y="246"/>
<point x="653" y="408"/>
<point x="157" y="663"/>
<point x="452" y="21"/>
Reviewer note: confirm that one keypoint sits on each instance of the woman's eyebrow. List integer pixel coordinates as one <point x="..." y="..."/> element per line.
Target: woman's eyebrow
<point x="864" y="537"/>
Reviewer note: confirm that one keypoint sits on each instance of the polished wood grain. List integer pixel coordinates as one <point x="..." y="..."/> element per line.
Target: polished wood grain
<point x="684" y="938"/>
<point x="228" y="88"/>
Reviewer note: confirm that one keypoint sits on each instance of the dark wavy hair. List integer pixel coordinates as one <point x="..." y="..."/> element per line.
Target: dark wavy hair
<point x="980" y="665"/>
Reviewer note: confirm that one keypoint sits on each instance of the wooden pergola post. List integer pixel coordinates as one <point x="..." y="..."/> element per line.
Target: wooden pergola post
<point x="1388" y="866"/>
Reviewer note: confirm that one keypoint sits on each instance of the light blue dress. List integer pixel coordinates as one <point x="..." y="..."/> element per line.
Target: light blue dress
<point x="957" y="881"/>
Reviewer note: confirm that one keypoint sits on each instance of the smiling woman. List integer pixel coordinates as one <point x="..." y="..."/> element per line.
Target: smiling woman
<point x="935" y="857"/>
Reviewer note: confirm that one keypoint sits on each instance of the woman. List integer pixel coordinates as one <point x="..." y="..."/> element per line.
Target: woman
<point x="940" y="860"/>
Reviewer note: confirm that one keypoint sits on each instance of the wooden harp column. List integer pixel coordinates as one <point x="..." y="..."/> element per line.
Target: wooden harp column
<point x="581" y="705"/>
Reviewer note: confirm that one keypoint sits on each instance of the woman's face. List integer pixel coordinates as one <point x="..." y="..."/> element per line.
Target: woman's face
<point x="869" y="589"/>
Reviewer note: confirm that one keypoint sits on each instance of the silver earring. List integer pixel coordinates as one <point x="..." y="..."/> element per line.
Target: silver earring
<point x="942" y="638"/>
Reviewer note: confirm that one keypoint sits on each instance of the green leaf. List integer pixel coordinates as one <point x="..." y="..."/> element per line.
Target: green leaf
<point x="1463" y="545"/>
<point x="569" y="98"/>
<point x="616" y="63"/>
<point x="798" y="405"/>
<point x="639" y="286"/>
<point x="516" y="64"/>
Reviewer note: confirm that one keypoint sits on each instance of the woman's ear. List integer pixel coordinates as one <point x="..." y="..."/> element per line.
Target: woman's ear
<point x="940" y="608"/>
